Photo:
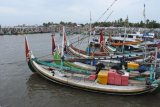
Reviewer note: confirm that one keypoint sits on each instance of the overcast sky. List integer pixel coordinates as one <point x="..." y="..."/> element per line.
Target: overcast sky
<point x="30" y="12"/>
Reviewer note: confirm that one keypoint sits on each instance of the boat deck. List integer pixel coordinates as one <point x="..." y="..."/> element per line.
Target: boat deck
<point x="82" y="81"/>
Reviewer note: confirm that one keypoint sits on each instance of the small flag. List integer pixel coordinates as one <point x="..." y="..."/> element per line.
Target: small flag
<point x="101" y="38"/>
<point x="53" y="43"/>
<point x="101" y="41"/>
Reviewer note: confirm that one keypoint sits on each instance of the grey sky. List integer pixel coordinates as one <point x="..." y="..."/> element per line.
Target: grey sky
<point x="14" y="12"/>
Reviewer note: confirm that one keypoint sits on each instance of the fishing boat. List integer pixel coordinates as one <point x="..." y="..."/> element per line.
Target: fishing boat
<point x="133" y="42"/>
<point x="108" y="57"/>
<point x="111" y="55"/>
<point x="86" y="61"/>
<point x="95" y="48"/>
<point x="106" y="81"/>
<point x="98" y="49"/>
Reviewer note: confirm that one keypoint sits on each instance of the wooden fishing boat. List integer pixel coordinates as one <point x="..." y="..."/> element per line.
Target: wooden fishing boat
<point x="76" y="78"/>
<point x="82" y="53"/>
<point x="126" y="43"/>
<point x="106" y="53"/>
<point x="109" y="55"/>
<point x="103" y="55"/>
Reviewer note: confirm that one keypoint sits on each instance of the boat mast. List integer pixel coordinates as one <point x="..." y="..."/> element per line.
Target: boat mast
<point x="144" y="15"/>
<point x="124" y="40"/>
<point x="155" y="61"/>
<point x="90" y="28"/>
<point x="125" y="34"/>
<point x="62" y="50"/>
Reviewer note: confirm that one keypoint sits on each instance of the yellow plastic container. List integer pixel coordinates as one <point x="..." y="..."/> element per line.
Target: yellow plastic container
<point x="132" y="65"/>
<point x="103" y="77"/>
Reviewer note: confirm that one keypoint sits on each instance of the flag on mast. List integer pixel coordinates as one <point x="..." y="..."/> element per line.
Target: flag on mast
<point x="65" y="39"/>
<point x="26" y="49"/>
<point x="53" y="43"/>
<point x="101" y="41"/>
<point x="101" y="38"/>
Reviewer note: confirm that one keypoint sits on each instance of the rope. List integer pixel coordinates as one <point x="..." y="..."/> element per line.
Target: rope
<point x="79" y="40"/>
<point x="107" y="10"/>
<point x="79" y="43"/>
<point x="108" y="16"/>
<point x="44" y="56"/>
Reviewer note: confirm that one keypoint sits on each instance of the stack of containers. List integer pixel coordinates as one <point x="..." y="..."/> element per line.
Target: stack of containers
<point x="117" y="79"/>
<point x="111" y="76"/>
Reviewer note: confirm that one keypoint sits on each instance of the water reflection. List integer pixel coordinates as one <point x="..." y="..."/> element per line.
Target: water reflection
<point x="62" y="95"/>
<point x="19" y="87"/>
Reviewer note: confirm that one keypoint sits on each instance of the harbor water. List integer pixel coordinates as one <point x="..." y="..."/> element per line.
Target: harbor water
<point x="19" y="87"/>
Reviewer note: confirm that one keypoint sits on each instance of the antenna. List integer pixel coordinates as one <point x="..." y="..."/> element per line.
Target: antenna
<point x="90" y="26"/>
<point x="144" y="14"/>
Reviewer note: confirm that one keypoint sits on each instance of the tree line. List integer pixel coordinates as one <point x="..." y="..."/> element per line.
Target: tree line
<point x="117" y="23"/>
<point x="122" y="23"/>
<point x="61" y="23"/>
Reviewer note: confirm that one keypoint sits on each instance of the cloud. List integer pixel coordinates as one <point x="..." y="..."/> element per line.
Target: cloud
<point x="8" y="10"/>
<point x="39" y="11"/>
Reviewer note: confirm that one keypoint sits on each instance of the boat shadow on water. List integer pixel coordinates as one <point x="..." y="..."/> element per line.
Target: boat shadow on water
<point x="38" y="86"/>
<point x="37" y="83"/>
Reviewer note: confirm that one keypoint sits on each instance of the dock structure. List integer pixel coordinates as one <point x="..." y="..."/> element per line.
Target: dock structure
<point x="70" y="29"/>
<point x="20" y="30"/>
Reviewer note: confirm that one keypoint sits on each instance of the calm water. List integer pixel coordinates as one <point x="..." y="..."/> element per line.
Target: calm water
<point x="19" y="87"/>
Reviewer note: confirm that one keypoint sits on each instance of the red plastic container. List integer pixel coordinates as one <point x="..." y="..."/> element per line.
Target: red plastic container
<point x="125" y="79"/>
<point x="118" y="79"/>
<point x="111" y="81"/>
<point x="124" y="83"/>
<point x="111" y="76"/>
<point x="112" y="70"/>
<point x="92" y="77"/>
